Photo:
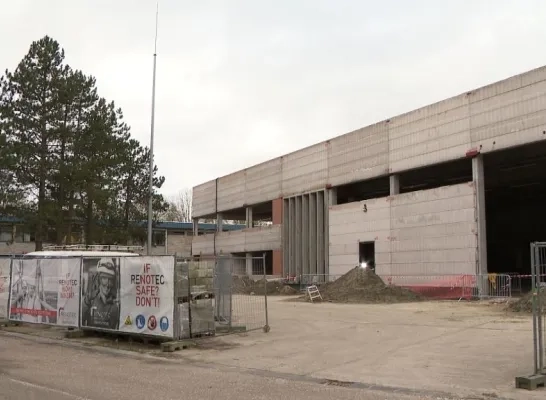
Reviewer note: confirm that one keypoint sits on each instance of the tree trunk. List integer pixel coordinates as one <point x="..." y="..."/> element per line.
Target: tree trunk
<point x="41" y="194"/>
<point x="61" y="196"/>
<point x="70" y="218"/>
<point x="89" y="217"/>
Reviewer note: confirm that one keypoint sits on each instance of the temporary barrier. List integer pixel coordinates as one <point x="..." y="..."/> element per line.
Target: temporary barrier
<point x="45" y="291"/>
<point x="5" y="264"/>
<point x="220" y="295"/>
<point x="141" y="295"/>
<point x="128" y="294"/>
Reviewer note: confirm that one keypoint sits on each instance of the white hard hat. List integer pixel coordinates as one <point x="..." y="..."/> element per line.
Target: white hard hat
<point x="106" y="266"/>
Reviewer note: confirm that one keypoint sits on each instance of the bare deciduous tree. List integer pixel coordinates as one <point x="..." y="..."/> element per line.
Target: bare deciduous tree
<point x="180" y="207"/>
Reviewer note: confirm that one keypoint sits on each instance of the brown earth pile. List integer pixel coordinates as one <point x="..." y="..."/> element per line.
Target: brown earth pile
<point x="525" y="304"/>
<point x="245" y="285"/>
<point x="364" y="286"/>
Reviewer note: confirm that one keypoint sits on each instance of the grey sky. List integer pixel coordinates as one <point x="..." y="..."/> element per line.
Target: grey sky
<point x="240" y="82"/>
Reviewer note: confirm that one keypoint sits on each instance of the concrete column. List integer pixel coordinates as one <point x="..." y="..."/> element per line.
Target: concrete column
<point x="394" y="181"/>
<point x="332" y="197"/>
<point x="479" y="184"/>
<point x="219" y="222"/>
<point x="249" y="264"/>
<point x="249" y="219"/>
<point x="195" y="227"/>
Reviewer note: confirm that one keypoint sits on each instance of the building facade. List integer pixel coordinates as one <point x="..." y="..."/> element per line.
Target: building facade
<point x="436" y="191"/>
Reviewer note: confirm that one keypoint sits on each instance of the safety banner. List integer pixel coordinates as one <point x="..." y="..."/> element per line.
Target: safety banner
<point x="128" y="294"/>
<point x="45" y="291"/>
<point x="147" y="301"/>
<point x="4" y="286"/>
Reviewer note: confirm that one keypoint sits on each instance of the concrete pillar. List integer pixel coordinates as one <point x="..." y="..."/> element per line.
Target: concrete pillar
<point x="249" y="219"/>
<point x="249" y="264"/>
<point x="479" y="184"/>
<point x="332" y="197"/>
<point x="394" y="181"/>
<point x="195" y="227"/>
<point x="219" y="222"/>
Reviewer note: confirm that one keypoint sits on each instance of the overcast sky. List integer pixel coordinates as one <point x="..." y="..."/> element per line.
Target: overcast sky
<point x="240" y="82"/>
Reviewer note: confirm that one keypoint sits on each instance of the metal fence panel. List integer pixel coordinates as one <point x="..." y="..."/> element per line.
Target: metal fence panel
<point x="538" y="271"/>
<point x="221" y="295"/>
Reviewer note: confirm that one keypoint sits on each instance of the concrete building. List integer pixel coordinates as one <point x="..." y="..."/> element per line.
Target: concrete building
<point x="457" y="187"/>
<point x="169" y="237"/>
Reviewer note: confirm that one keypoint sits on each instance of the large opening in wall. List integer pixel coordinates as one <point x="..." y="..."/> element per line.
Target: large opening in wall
<point x="366" y="254"/>
<point x="259" y="214"/>
<point x="515" y="203"/>
<point x="444" y="174"/>
<point x="255" y="264"/>
<point x="363" y="190"/>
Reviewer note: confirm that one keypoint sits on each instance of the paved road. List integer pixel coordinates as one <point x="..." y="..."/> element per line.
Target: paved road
<point x="36" y="368"/>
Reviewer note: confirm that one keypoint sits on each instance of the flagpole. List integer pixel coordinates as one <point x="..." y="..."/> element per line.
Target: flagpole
<point x="151" y="185"/>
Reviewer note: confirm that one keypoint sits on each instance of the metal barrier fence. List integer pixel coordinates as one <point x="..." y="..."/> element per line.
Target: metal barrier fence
<point x="441" y="287"/>
<point x="489" y="286"/>
<point x="538" y="272"/>
<point x="220" y="295"/>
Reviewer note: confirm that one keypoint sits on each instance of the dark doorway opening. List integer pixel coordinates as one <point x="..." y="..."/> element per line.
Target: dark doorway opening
<point x="366" y="253"/>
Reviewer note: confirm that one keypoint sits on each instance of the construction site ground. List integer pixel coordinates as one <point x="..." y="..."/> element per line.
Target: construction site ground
<point x="467" y="349"/>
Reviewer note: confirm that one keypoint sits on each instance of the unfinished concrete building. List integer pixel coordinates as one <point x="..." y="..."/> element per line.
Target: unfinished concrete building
<point x="457" y="187"/>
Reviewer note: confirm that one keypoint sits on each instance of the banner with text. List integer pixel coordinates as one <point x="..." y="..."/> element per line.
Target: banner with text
<point x="147" y="295"/>
<point x="45" y="291"/>
<point x="5" y="263"/>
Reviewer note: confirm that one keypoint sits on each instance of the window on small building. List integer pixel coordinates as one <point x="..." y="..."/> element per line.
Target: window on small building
<point x="5" y="233"/>
<point x="158" y="238"/>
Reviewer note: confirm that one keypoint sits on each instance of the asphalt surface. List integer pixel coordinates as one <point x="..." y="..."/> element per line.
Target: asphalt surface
<point x="43" y="369"/>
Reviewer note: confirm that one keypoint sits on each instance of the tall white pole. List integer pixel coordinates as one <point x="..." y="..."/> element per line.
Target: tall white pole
<point x="151" y="188"/>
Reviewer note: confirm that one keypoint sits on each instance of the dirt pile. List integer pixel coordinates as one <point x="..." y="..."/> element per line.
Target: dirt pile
<point x="364" y="286"/>
<point x="245" y="285"/>
<point x="525" y="303"/>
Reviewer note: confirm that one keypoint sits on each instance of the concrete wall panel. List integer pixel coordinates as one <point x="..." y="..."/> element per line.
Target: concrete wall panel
<point x="203" y="244"/>
<point x="231" y="191"/>
<point x="359" y="155"/>
<point x="179" y="244"/>
<point x="263" y="238"/>
<point x="305" y="170"/>
<point x="242" y="241"/>
<point x="433" y="134"/>
<point x="417" y="233"/>
<point x="263" y="182"/>
<point x="350" y="224"/>
<point x="204" y="199"/>
<point x="509" y="119"/>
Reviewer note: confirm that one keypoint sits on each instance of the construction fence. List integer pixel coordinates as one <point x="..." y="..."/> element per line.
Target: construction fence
<point x="438" y="287"/>
<point x="221" y="295"/>
<point x="538" y="272"/>
<point x="155" y="296"/>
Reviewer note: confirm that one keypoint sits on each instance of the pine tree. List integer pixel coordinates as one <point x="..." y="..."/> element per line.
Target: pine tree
<point x="31" y="115"/>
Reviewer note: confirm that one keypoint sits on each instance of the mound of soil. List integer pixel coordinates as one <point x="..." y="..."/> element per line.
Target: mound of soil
<point x="245" y="285"/>
<point x="525" y="304"/>
<point x="364" y="286"/>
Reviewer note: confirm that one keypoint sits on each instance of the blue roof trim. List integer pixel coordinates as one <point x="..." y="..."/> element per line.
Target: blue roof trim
<point x="169" y="225"/>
